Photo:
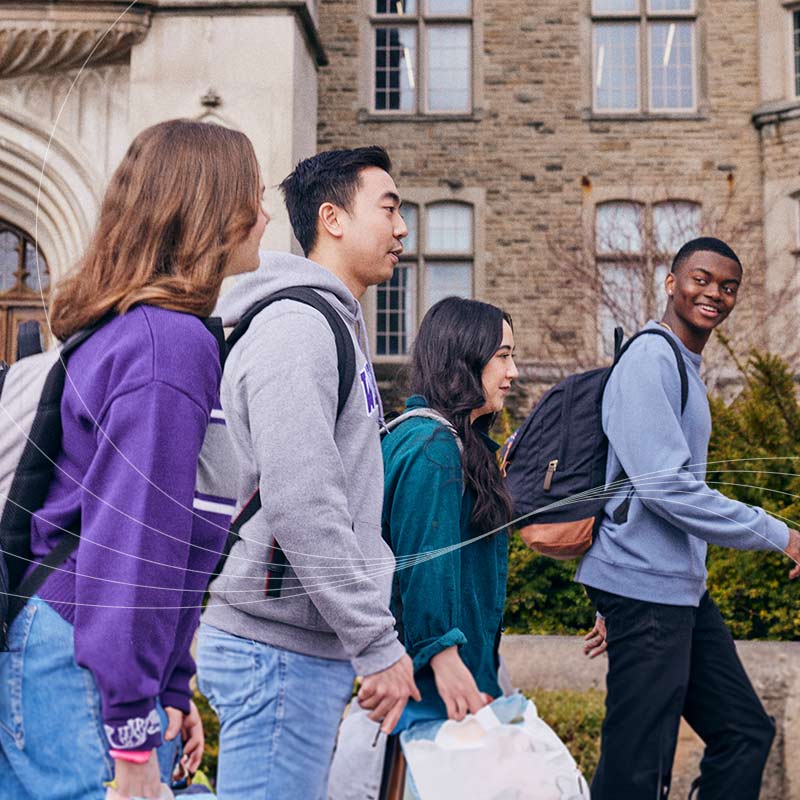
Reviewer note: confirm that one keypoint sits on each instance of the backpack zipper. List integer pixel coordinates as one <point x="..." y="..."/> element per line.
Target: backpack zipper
<point x="548" y="476"/>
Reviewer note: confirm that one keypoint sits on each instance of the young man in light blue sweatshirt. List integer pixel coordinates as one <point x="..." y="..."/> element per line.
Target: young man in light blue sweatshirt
<point x="670" y="653"/>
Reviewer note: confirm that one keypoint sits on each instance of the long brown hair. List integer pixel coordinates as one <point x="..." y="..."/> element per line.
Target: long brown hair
<point x="456" y="340"/>
<point x="185" y="194"/>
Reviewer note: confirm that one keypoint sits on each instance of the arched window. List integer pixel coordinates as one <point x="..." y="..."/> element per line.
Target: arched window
<point x="22" y="266"/>
<point x="634" y="246"/>
<point x="24" y="279"/>
<point x="437" y="262"/>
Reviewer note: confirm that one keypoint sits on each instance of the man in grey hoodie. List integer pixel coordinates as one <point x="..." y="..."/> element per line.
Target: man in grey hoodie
<point x="280" y="670"/>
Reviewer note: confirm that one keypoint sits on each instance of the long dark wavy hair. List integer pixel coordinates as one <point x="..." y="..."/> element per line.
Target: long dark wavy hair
<point x="456" y="340"/>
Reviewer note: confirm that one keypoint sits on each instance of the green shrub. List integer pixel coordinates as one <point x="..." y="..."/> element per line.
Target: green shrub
<point x="542" y="597"/>
<point x="577" y="718"/>
<point x="753" y="457"/>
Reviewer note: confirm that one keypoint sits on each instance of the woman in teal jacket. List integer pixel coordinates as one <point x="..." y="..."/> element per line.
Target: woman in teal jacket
<point x="444" y="515"/>
<point x="444" y="493"/>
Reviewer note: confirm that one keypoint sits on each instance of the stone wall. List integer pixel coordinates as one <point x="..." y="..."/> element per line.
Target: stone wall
<point x="557" y="662"/>
<point x="544" y="160"/>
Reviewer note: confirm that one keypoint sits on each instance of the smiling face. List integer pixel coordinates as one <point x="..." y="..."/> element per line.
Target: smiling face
<point x="702" y="293"/>
<point x="373" y="228"/>
<point x="498" y="375"/>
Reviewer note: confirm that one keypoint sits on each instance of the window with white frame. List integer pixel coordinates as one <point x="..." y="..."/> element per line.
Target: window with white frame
<point x="634" y="246"/>
<point x="644" y="56"/>
<point x="437" y="262"/>
<point x="422" y="56"/>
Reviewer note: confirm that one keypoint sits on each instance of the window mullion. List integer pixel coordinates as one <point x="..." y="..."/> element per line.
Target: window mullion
<point x="644" y="64"/>
<point x="422" y="65"/>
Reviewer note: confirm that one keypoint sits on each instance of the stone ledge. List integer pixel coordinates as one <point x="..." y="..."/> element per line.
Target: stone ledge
<point x="557" y="662"/>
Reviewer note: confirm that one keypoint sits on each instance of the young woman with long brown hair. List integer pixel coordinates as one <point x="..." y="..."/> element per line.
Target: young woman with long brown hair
<point x="96" y="684"/>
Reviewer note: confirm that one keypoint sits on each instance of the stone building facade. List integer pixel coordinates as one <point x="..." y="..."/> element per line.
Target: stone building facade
<point x="552" y="155"/>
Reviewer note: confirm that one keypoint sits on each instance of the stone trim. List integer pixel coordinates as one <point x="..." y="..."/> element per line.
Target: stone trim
<point x="53" y="39"/>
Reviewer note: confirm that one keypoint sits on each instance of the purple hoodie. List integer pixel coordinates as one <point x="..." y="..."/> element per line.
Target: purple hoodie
<point x="135" y="408"/>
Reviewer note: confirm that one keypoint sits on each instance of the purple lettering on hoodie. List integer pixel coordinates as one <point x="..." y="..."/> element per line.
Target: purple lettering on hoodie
<point x="370" y="387"/>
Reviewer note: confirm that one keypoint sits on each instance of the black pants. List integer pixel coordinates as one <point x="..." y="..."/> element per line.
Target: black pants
<point x="665" y="662"/>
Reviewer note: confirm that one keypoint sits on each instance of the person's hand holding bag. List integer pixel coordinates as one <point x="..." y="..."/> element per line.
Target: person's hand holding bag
<point x="456" y="686"/>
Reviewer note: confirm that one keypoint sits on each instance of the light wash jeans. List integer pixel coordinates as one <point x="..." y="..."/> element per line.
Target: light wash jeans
<point x="52" y="742"/>
<point x="278" y="712"/>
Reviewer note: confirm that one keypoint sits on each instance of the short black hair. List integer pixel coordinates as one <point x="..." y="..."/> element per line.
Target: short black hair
<point x="704" y="244"/>
<point x="328" y="177"/>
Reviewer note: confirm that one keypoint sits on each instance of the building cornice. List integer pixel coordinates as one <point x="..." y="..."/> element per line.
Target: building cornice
<point x="40" y="36"/>
<point x="43" y="37"/>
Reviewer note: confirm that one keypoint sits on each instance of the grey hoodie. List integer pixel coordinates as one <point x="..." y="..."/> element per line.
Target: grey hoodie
<point x="321" y="480"/>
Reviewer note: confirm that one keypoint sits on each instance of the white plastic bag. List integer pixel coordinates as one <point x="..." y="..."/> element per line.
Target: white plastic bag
<point x="504" y="752"/>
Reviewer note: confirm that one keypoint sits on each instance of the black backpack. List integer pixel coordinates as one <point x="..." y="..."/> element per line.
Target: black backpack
<point x="555" y="463"/>
<point x="217" y="449"/>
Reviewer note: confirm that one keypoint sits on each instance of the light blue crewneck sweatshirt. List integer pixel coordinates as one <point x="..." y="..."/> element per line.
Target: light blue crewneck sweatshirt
<point x="659" y="553"/>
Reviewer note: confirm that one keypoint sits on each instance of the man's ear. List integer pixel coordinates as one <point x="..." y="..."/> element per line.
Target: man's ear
<point x="329" y="217"/>
<point x="669" y="283"/>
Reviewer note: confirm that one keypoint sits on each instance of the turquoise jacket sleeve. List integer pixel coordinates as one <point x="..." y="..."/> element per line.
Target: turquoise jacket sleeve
<point x="424" y="521"/>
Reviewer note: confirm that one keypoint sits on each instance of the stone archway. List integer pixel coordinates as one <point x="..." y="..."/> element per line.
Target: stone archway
<point x="46" y="188"/>
<point x="51" y="195"/>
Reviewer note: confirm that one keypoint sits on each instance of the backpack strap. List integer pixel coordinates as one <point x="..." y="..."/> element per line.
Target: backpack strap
<point x="345" y="351"/>
<point x="430" y="413"/>
<point x="29" y="339"/>
<point x="675" y="349"/>
<point x="214" y="327"/>
<point x="621" y="511"/>
<point x="427" y="413"/>
<point x="346" y="363"/>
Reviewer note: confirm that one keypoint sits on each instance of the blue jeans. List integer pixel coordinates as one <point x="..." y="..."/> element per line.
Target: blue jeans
<point x="52" y="742"/>
<point x="278" y="712"/>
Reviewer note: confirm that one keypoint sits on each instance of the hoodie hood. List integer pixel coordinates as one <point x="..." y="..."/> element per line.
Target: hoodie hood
<point x="278" y="271"/>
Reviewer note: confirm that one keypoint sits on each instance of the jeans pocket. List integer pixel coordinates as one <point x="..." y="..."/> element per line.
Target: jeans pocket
<point x="226" y="667"/>
<point x="12" y="664"/>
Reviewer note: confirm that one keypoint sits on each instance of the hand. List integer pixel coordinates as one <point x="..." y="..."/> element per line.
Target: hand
<point x="137" y="780"/>
<point x="174" y="722"/>
<point x="596" y="643"/>
<point x="193" y="739"/>
<point x="386" y="693"/>
<point x="455" y="685"/>
<point x="793" y="551"/>
<point x="190" y="726"/>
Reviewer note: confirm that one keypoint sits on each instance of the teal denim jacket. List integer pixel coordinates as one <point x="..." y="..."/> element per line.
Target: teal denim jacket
<point x="458" y="596"/>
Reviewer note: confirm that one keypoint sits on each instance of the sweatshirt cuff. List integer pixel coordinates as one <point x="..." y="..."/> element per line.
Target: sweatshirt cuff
<point x="777" y="532"/>
<point x="449" y="639"/>
<point x="133" y="727"/>
<point x="176" y="699"/>
<point x="379" y="655"/>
